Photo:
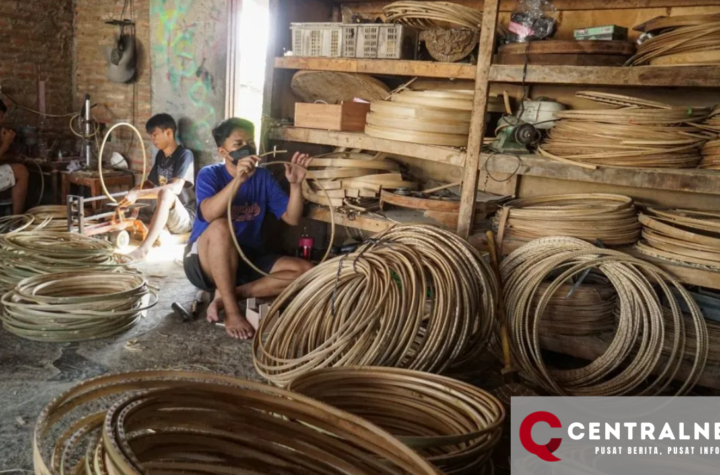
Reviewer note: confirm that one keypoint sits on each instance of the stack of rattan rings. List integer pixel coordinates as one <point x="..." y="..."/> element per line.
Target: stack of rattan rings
<point x="415" y="297"/>
<point x="184" y="422"/>
<point x="637" y="362"/>
<point x="454" y="425"/>
<point x="610" y="218"/>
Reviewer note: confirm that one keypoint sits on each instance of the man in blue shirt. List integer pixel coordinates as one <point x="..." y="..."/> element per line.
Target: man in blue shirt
<point x="211" y="260"/>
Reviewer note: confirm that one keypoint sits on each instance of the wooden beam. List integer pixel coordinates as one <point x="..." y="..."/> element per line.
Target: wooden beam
<point x="384" y="67"/>
<point x="686" y="180"/>
<point x="570" y="5"/>
<point x="591" y="347"/>
<point x="446" y="155"/>
<point x="466" y="217"/>
<point x="684" y="273"/>
<point x="365" y="223"/>
<point x="657" y="76"/>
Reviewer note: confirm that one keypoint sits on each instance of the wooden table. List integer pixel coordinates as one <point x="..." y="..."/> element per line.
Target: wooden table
<point x="92" y="181"/>
<point x="52" y="177"/>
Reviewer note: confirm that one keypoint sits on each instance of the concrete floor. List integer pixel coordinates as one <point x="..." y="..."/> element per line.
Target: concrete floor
<point x="32" y="373"/>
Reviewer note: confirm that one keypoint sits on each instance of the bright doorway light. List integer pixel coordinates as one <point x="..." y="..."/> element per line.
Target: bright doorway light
<point x="251" y="41"/>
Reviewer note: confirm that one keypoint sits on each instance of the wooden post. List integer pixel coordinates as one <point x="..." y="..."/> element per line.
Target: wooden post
<point x="477" y="125"/>
<point x="273" y="49"/>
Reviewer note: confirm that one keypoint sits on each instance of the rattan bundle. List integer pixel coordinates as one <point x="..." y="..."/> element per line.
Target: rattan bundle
<point x="51" y="218"/>
<point x="15" y="223"/>
<point x="453" y="425"/>
<point x="610" y="218"/>
<point x="182" y="422"/>
<point x="639" y="134"/>
<point x="340" y="175"/>
<point x="579" y="310"/>
<point x="711" y="150"/>
<point x="427" y="15"/>
<point x="415" y="297"/>
<point x="75" y="306"/>
<point x="691" y="40"/>
<point x="28" y="254"/>
<point x="633" y="363"/>
<point x="687" y="236"/>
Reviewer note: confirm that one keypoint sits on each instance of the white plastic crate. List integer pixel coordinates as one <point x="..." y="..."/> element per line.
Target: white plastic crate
<point x="317" y="39"/>
<point x="350" y="35"/>
<point x="387" y="41"/>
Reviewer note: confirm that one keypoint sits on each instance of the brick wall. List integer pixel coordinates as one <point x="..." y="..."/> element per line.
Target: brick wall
<point x="36" y="38"/>
<point x="116" y="102"/>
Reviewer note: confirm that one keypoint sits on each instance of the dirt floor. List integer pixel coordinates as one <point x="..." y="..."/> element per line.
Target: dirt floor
<point x="32" y="374"/>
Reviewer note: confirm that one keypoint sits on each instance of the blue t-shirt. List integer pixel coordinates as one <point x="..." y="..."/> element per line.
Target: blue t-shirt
<point x="257" y="195"/>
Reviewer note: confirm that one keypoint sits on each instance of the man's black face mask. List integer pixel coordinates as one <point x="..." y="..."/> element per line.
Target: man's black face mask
<point x="245" y="151"/>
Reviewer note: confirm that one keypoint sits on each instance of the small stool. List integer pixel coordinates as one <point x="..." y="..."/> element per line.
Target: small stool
<point x="5" y="207"/>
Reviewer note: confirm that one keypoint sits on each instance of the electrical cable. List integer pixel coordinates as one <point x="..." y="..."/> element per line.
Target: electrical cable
<point x="192" y="422"/>
<point x="28" y="109"/>
<point x="415" y="297"/>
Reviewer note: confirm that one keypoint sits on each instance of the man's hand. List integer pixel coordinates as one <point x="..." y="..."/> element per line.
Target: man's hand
<point x="129" y="199"/>
<point x="296" y="174"/>
<point x="6" y="137"/>
<point x="245" y="169"/>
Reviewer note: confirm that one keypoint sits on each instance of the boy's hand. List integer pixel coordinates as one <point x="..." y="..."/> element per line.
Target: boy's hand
<point x="296" y="174"/>
<point x="245" y="169"/>
<point x="129" y="199"/>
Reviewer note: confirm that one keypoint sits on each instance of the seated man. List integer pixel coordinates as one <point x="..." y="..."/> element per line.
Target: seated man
<point x="12" y="175"/>
<point x="211" y="260"/>
<point x="170" y="183"/>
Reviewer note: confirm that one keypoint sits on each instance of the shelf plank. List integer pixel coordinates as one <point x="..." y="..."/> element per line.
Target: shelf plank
<point x="386" y="67"/>
<point x="374" y="224"/>
<point x="657" y="76"/>
<point x="592" y="347"/>
<point x="447" y="155"/>
<point x="570" y="5"/>
<point x="687" y="180"/>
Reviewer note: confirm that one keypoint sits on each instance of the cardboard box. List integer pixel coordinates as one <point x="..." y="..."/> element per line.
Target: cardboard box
<point x="348" y="116"/>
<point x="603" y="33"/>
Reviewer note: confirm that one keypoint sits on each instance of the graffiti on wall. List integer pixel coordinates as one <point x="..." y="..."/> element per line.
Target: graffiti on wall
<point x="188" y="56"/>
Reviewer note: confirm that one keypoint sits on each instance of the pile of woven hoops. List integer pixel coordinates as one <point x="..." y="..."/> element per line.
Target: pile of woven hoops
<point x="185" y="422"/>
<point x="416" y="297"/>
<point x="454" y="425"/>
<point x="636" y="361"/>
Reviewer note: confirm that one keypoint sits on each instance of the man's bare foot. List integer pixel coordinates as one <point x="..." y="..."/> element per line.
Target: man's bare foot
<point x="214" y="309"/>
<point x="139" y="254"/>
<point x="238" y="327"/>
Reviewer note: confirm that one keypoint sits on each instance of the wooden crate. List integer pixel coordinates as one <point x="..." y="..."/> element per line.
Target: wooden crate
<point x="348" y="116"/>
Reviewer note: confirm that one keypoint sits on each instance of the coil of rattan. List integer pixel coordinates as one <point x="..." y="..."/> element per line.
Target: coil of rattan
<point x="453" y="425"/>
<point x="638" y="134"/>
<point x="28" y="254"/>
<point x="584" y="310"/>
<point x="687" y="236"/>
<point x="185" y="422"/>
<point x="77" y="306"/>
<point x="680" y="41"/>
<point x="610" y="218"/>
<point x="427" y="15"/>
<point x="49" y="218"/>
<point x="633" y="363"/>
<point x="415" y="297"/>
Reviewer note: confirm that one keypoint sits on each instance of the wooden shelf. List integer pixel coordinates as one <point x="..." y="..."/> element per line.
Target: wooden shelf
<point x="687" y="180"/>
<point x="372" y="223"/>
<point x="386" y="67"/>
<point x="645" y="76"/>
<point x="447" y="155"/>
<point x="570" y="5"/>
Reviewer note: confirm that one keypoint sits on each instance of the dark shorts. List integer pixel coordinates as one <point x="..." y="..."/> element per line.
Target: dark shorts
<point x="244" y="274"/>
